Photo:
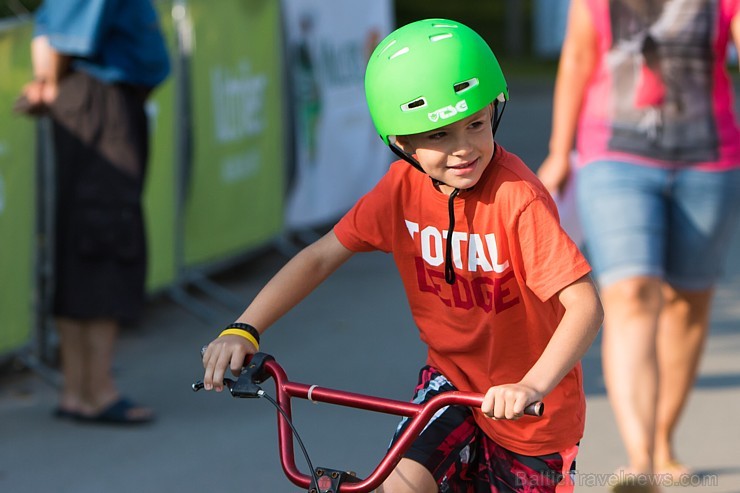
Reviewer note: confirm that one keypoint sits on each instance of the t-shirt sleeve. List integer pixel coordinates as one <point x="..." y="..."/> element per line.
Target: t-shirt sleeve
<point x="74" y="27"/>
<point x="41" y="21"/>
<point x="550" y="259"/>
<point x="366" y="226"/>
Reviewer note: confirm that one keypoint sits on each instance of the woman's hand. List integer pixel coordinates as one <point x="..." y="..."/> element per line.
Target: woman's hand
<point x="508" y="401"/>
<point x="554" y="173"/>
<point x="227" y="351"/>
<point x="31" y="100"/>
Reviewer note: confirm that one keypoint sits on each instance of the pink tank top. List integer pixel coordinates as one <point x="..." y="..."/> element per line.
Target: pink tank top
<point x="661" y="94"/>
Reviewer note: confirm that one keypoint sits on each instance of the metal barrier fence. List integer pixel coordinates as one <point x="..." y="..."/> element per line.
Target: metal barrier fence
<point x="224" y="152"/>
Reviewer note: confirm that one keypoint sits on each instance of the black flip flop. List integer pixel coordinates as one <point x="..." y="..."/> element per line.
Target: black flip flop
<point x="116" y="413"/>
<point x="65" y="414"/>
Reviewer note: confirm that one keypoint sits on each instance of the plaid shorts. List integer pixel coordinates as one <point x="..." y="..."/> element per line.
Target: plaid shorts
<point x="463" y="459"/>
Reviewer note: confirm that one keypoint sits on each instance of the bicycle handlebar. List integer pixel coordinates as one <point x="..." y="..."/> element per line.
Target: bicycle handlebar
<point x="263" y="366"/>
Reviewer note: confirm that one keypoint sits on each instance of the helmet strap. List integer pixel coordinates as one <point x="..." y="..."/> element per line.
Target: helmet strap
<point x="449" y="267"/>
<point x="405" y="156"/>
<point x="497" y="116"/>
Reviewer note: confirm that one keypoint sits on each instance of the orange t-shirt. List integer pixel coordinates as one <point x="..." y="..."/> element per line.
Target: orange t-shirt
<point x="511" y="258"/>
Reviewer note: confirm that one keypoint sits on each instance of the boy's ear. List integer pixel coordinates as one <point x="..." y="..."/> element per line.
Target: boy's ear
<point x="403" y="142"/>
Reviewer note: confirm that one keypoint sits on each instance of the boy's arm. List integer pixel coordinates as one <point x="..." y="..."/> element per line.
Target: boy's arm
<point x="572" y="338"/>
<point x="296" y="280"/>
<point x="577" y="63"/>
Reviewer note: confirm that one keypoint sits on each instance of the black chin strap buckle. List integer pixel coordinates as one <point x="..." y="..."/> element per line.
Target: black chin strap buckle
<point x="449" y="268"/>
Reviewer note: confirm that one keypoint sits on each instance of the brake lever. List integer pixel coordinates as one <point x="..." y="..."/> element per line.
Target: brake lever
<point x="228" y="383"/>
<point x="247" y="385"/>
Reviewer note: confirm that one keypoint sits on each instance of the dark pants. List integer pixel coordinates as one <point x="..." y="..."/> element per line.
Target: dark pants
<point x="101" y="150"/>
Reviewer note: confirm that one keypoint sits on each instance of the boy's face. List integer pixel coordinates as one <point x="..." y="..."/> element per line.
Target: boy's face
<point x="456" y="154"/>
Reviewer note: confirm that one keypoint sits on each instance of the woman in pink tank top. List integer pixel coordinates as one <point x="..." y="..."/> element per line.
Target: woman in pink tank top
<point x="644" y="97"/>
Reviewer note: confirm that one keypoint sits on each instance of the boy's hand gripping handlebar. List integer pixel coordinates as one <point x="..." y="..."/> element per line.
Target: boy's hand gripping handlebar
<point x="263" y="366"/>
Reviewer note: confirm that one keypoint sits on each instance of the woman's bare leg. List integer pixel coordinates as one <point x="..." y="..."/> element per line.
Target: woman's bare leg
<point x="73" y="364"/>
<point x="682" y="333"/>
<point x="631" y="309"/>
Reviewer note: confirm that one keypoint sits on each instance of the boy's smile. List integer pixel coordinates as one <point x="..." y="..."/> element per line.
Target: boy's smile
<point x="457" y="154"/>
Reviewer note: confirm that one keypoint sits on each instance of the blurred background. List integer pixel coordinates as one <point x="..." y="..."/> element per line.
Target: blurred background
<point x="244" y="134"/>
<point x="261" y="140"/>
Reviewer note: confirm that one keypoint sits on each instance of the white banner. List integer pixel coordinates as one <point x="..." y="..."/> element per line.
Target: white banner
<point x="338" y="154"/>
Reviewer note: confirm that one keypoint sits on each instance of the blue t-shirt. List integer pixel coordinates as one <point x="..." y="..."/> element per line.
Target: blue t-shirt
<point x="112" y="40"/>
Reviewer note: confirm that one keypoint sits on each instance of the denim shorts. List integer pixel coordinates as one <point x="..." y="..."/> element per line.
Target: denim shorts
<point x="673" y="224"/>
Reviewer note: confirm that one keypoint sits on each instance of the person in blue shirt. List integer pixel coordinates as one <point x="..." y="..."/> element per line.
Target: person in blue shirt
<point x="95" y="62"/>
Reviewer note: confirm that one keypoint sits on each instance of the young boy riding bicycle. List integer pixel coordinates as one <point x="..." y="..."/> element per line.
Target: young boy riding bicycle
<point x="500" y="294"/>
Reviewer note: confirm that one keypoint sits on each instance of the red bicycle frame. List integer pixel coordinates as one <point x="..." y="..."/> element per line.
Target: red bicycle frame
<point x="263" y="366"/>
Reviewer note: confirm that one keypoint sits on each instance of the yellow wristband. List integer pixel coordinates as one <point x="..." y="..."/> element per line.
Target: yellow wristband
<point x="241" y="333"/>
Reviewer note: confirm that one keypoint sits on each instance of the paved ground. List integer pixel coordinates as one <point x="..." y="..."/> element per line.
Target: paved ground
<point x="354" y="333"/>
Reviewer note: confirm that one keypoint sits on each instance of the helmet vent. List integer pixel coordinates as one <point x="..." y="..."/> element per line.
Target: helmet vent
<point x="400" y="52"/>
<point x="461" y="87"/>
<point x="439" y="37"/>
<point x="452" y="26"/>
<point x="415" y="104"/>
<point x="387" y="47"/>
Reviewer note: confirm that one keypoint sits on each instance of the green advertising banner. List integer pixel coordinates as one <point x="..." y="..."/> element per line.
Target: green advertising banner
<point x="160" y="192"/>
<point x="17" y="192"/>
<point x="235" y="193"/>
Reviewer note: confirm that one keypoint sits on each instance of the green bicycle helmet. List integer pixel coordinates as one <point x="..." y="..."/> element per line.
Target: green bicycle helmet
<point x="428" y="74"/>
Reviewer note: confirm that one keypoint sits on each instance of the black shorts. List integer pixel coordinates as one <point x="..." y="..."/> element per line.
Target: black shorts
<point x="463" y="459"/>
<point x="100" y="139"/>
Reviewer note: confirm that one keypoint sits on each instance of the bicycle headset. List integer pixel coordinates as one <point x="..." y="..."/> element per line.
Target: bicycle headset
<point x="428" y="74"/>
